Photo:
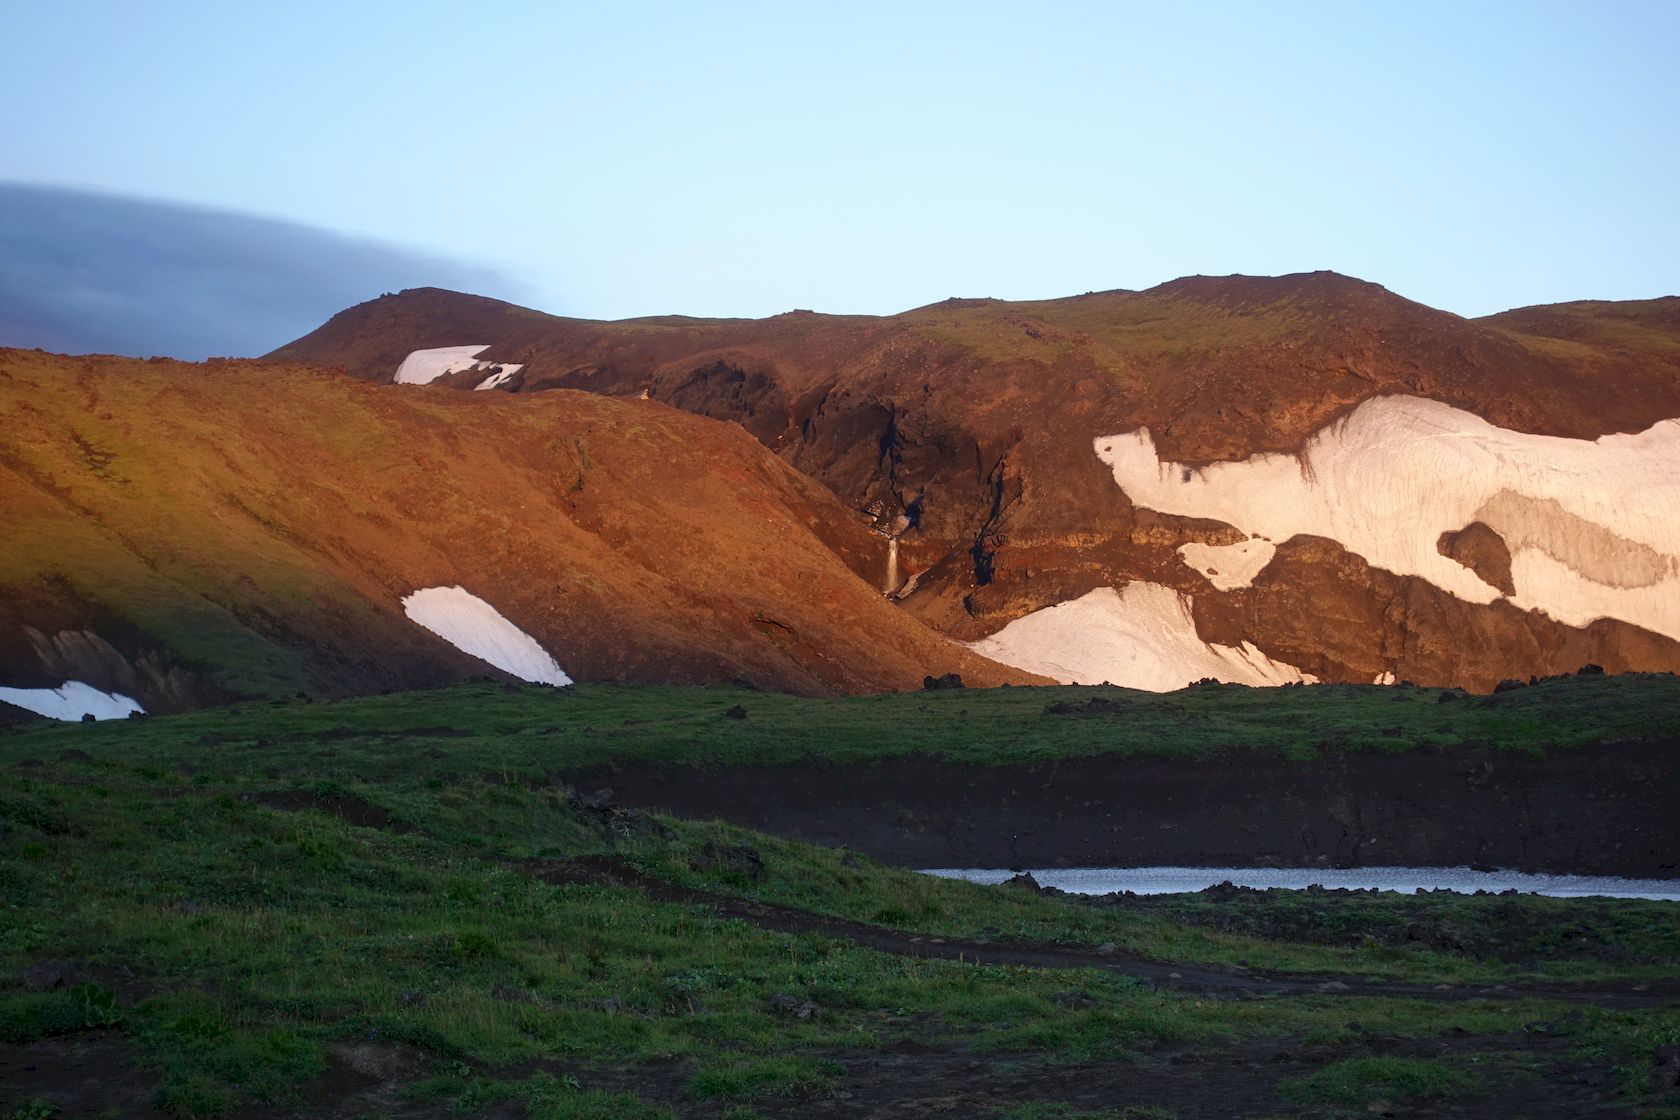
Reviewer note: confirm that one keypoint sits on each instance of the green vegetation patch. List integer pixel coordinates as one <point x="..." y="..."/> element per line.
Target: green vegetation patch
<point x="1359" y="1082"/>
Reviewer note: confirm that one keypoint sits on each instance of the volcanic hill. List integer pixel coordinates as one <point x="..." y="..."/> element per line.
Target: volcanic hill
<point x="183" y="534"/>
<point x="1260" y="479"/>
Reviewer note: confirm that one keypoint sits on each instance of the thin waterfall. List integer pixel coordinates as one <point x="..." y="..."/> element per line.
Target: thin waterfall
<point x="891" y="584"/>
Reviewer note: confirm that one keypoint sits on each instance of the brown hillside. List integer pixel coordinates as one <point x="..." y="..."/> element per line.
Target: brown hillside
<point x="973" y="419"/>
<point x="187" y="532"/>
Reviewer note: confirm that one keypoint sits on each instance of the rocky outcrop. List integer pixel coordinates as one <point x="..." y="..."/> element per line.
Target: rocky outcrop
<point x="1483" y="551"/>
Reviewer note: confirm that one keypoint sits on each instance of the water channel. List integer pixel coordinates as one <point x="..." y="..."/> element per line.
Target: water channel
<point x="1407" y="880"/>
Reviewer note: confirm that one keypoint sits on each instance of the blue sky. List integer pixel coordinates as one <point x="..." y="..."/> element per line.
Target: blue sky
<point x="608" y="160"/>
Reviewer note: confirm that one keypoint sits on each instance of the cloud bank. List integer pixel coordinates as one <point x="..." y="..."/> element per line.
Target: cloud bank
<point x="85" y="272"/>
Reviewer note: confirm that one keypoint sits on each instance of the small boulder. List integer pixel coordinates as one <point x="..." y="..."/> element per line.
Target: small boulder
<point x="738" y="859"/>
<point x="1508" y="684"/>
<point x="736" y="712"/>
<point x="792" y="1006"/>
<point x="1023" y="881"/>
<point x="46" y="976"/>
<point x="1665" y="1069"/>
<point x="1074" y="1000"/>
<point x="943" y="681"/>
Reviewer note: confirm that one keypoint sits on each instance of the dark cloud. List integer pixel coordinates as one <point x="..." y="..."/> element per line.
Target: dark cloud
<point x="83" y="272"/>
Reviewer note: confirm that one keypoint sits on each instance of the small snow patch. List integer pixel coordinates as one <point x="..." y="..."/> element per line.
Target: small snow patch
<point x="1141" y="636"/>
<point x="71" y="701"/>
<point x="422" y="367"/>
<point x="499" y="376"/>
<point x="1229" y="566"/>
<point x="473" y="626"/>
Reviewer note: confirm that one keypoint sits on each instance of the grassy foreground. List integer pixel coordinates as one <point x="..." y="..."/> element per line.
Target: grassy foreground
<point x="277" y="906"/>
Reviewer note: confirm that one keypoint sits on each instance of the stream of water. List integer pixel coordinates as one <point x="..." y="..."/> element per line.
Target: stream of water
<point x="1407" y="880"/>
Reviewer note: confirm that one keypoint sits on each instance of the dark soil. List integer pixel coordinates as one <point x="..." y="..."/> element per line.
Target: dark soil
<point x="345" y="806"/>
<point x="1605" y="810"/>
<point x="93" y="1075"/>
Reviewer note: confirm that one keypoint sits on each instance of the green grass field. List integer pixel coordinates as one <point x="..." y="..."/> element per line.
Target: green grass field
<point x="250" y="901"/>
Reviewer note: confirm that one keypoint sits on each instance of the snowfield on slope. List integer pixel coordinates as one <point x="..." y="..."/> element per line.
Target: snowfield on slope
<point x="422" y="367"/>
<point x="1141" y="636"/>
<point x="71" y="701"/>
<point x="1593" y="526"/>
<point x="473" y="626"/>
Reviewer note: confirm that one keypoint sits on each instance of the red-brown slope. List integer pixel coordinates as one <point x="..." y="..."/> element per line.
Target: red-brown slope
<point x="250" y="528"/>
<point x="973" y="419"/>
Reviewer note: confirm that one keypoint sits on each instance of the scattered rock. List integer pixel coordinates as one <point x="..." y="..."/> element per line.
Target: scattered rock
<point x="1590" y="670"/>
<point x="943" y="681"/>
<point x="1107" y="949"/>
<point x="1023" y="881"/>
<point x="45" y="976"/>
<point x="737" y="859"/>
<point x="792" y="1006"/>
<point x="601" y="798"/>
<point x="377" y="1061"/>
<point x="1074" y="1000"/>
<point x="1331" y="986"/>
<point x="736" y="712"/>
<point x="1665" y="1069"/>
<point x="1508" y="684"/>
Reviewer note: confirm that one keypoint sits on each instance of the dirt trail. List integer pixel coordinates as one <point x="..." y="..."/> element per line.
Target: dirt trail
<point x="1202" y="979"/>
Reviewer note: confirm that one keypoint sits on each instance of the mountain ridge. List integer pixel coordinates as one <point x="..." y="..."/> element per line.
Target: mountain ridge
<point x="967" y="427"/>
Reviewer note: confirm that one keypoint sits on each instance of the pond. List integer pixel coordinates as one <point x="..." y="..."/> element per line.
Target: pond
<point x="1175" y="880"/>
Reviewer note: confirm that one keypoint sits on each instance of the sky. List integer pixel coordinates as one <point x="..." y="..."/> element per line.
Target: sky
<point x="611" y="160"/>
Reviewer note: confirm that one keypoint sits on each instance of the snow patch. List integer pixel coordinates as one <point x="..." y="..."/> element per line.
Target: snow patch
<point x="473" y="626"/>
<point x="71" y="701"/>
<point x="1593" y="526"/>
<point x="501" y="376"/>
<point x="1229" y="566"/>
<point x="422" y="367"/>
<point x="1141" y="636"/>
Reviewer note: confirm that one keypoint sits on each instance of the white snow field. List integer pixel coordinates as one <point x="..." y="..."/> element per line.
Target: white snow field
<point x="71" y="701"/>
<point x="1593" y="526"/>
<point x="422" y="367"/>
<point x="473" y="626"/>
<point x="1175" y="880"/>
<point x="1141" y="636"/>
